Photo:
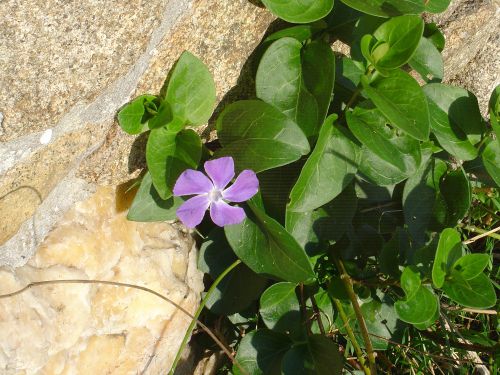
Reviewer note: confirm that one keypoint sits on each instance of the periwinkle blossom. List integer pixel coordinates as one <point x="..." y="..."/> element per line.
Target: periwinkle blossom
<point x="211" y="193"/>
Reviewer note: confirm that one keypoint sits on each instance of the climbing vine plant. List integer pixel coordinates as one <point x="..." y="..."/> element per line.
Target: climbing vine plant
<point x="363" y="179"/>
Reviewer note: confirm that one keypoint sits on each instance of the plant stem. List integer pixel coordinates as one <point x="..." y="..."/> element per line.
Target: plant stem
<point x="482" y="233"/>
<point x="352" y="337"/>
<point x="198" y="312"/>
<point x="346" y="279"/>
<point x="317" y="312"/>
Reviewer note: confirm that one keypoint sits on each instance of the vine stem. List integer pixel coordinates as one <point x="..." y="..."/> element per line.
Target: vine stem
<point x="197" y="314"/>
<point x="352" y="337"/>
<point x="346" y="279"/>
<point x="482" y="233"/>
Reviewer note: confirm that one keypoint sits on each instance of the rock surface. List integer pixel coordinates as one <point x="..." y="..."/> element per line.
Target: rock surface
<point x="99" y="329"/>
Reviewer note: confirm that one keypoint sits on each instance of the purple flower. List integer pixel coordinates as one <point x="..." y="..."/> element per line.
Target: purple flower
<point x="212" y="193"/>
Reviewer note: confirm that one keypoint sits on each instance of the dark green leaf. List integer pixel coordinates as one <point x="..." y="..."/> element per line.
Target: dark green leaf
<point x="261" y="352"/>
<point x="168" y="154"/>
<point x="476" y="293"/>
<point x="259" y="137"/>
<point x="471" y="265"/>
<point x="369" y="126"/>
<point x="449" y="241"/>
<point x="191" y="90"/>
<point x="280" y="308"/>
<point x="300" y="32"/>
<point x="410" y="281"/>
<point x="418" y="309"/>
<point x="491" y="160"/>
<point x="131" y="117"/>
<point x="303" y="11"/>
<point x="400" y="98"/>
<point x="387" y="8"/>
<point x="456" y="192"/>
<point x="436" y="6"/>
<point x="148" y="206"/>
<point x="280" y="82"/>
<point x="267" y="248"/>
<point x="494" y="110"/>
<point x="162" y="118"/>
<point x="435" y="36"/>
<point x="427" y="61"/>
<point x="329" y="169"/>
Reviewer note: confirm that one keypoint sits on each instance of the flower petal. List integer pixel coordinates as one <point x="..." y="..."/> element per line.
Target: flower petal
<point x="223" y="214"/>
<point x="244" y="188"/>
<point x="191" y="212"/>
<point x="220" y="170"/>
<point x="192" y="182"/>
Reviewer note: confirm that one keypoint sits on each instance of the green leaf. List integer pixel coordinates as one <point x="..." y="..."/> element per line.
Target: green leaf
<point x="369" y="126"/>
<point x="267" y="248"/>
<point x="259" y="137"/>
<point x="280" y="308"/>
<point x="320" y="355"/>
<point x="435" y="36"/>
<point x="303" y="11"/>
<point x="300" y="32"/>
<point x="491" y="160"/>
<point x="456" y="192"/>
<point x="387" y="8"/>
<point x="400" y="98"/>
<point x="168" y="154"/>
<point x="329" y="169"/>
<point x="410" y="281"/>
<point x="148" y="206"/>
<point x="436" y="6"/>
<point x="449" y="241"/>
<point x="280" y="82"/>
<point x="191" y="90"/>
<point x="131" y="117"/>
<point x="471" y="265"/>
<point x="261" y="352"/>
<point x="476" y="293"/>
<point x="427" y="61"/>
<point x="163" y="117"/>
<point x="418" y="309"/>
<point x="239" y="288"/>
<point x="494" y="110"/>
<point x="396" y="42"/>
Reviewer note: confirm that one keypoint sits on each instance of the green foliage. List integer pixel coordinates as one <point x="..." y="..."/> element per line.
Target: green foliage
<point x="370" y="185"/>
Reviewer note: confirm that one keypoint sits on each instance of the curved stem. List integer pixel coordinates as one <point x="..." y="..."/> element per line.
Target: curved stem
<point x="197" y="314"/>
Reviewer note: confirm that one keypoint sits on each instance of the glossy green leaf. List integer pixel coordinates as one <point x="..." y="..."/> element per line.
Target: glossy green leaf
<point x="280" y="308"/>
<point x="148" y="206"/>
<point x="418" y="309"/>
<point x="449" y="241"/>
<point x="168" y="154"/>
<point x="456" y="192"/>
<point x="329" y="169"/>
<point x="369" y="126"/>
<point x="436" y="6"/>
<point x="261" y="351"/>
<point x="494" y="111"/>
<point x="190" y="90"/>
<point x="300" y="32"/>
<point x="299" y="11"/>
<point x="427" y="61"/>
<point x="131" y="116"/>
<point x="320" y="355"/>
<point x="476" y="293"/>
<point x="387" y="8"/>
<point x="435" y="36"/>
<point x="428" y="323"/>
<point x="267" y="248"/>
<point x="491" y="160"/>
<point x="410" y="281"/>
<point x="471" y="265"/>
<point x="259" y="137"/>
<point x="400" y="98"/>
<point x="280" y="82"/>
<point x="455" y="119"/>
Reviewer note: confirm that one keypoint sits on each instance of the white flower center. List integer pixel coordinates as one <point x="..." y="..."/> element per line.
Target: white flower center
<point x="215" y="195"/>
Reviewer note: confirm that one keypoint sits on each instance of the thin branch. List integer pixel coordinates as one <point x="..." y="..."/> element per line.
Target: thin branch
<point x="482" y="233"/>
<point x="317" y="312"/>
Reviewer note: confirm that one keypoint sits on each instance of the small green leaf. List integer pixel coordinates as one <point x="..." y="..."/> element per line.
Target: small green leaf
<point x="387" y="8"/>
<point x="259" y="137"/>
<point x="168" y="154"/>
<point x="303" y="11"/>
<point x="190" y="90"/>
<point x="436" y="6"/>
<point x="418" y="309"/>
<point x="267" y="248"/>
<point x="163" y="117"/>
<point x="131" y="117"/>
<point x="280" y="308"/>
<point x="410" y="281"/>
<point x="148" y="206"/>
<point x="400" y="98"/>
<point x="329" y="169"/>
<point x="476" y="293"/>
<point x="471" y="265"/>
<point x="261" y="351"/>
<point x="427" y="61"/>
<point x="435" y="36"/>
<point x="491" y="160"/>
<point x="449" y="241"/>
